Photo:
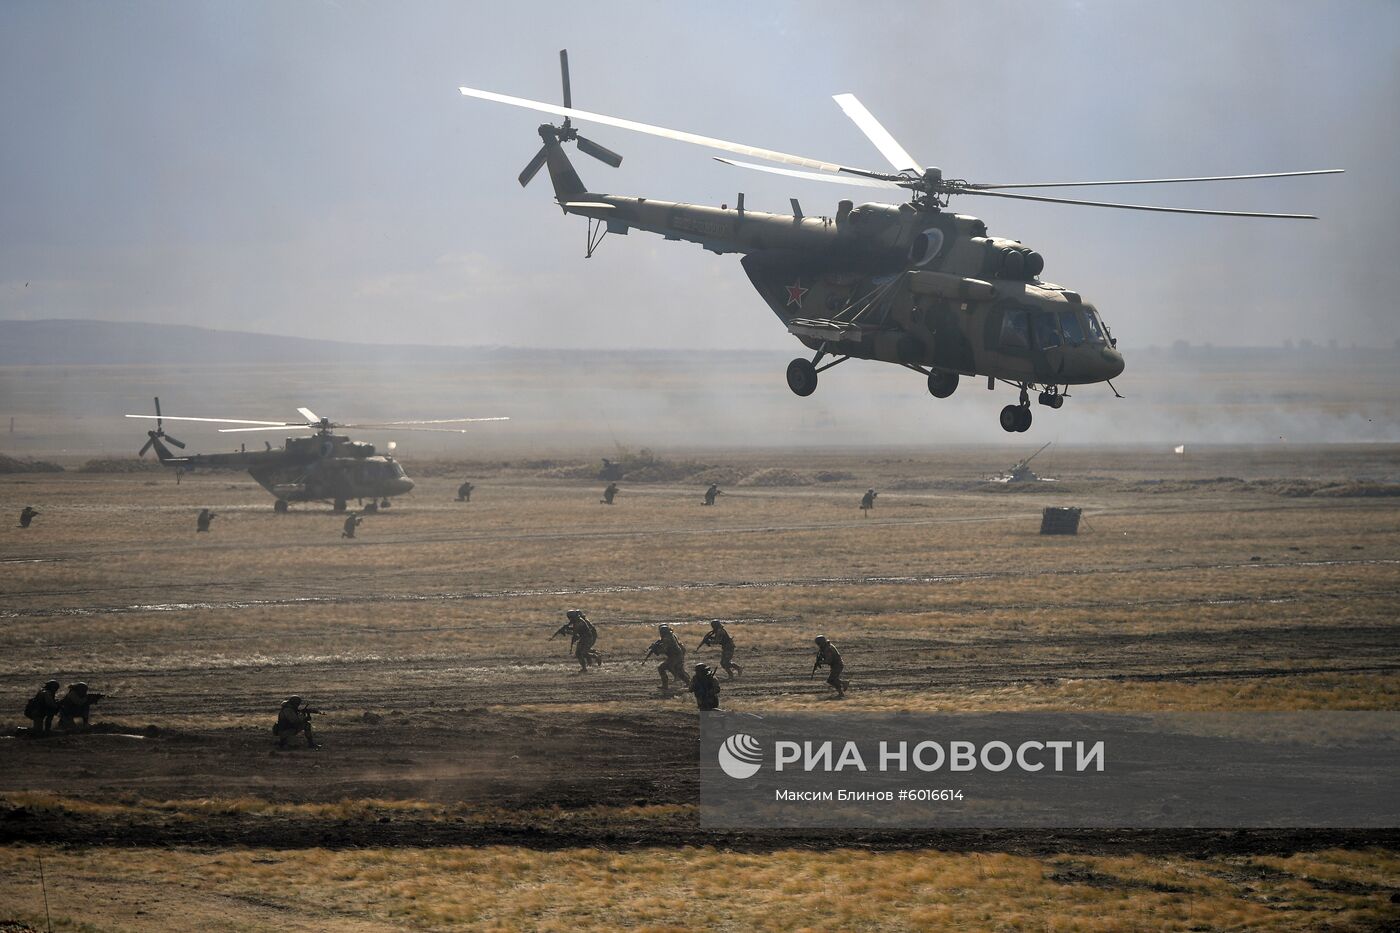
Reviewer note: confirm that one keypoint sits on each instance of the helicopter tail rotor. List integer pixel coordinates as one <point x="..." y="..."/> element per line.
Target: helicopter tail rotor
<point x="565" y="132"/>
<point x="153" y="438"/>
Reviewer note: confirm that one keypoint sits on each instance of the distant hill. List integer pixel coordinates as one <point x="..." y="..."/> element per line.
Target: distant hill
<point x="74" y="342"/>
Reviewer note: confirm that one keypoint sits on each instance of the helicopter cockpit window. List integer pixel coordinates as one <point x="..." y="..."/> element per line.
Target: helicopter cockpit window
<point x="1015" y="330"/>
<point x="1091" y="318"/>
<point x="1047" y="332"/>
<point x="1069" y="323"/>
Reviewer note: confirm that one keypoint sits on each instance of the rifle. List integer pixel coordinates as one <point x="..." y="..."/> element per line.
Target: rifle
<point x="815" y="665"/>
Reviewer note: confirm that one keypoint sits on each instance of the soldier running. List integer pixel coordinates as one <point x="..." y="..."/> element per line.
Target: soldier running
<point x="582" y="639"/>
<point x="76" y="704"/>
<point x="205" y="518"/>
<point x="705" y="688"/>
<point x="673" y="651"/>
<point x="294" y="719"/>
<point x="352" y="521"/>
<point x="27" y="516"/>
<point x="719" y="635"/>
<point x="711" y="493"/>
<point x="828" y="655"/>
<point x="867" y="502"/>
<point x="41" y="708"/>
<point x="464" y="492"/>
<point x="608" y="494"/>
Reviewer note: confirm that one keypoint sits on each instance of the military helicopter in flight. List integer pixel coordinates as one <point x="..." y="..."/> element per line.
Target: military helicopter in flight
<point x="325" y="466"/>
<point x="910" y="284"/>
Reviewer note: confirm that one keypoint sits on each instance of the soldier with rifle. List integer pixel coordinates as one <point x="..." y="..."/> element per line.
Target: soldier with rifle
<point x="719" y="635"/>
<point x="42" y="707"/>
<point x="608" y="494"/>
<point x="867" y="502"/>
<point x="27" y="515"/>
<point x="205" y="518"/>
<point x="583" y="637"/>
<point x="352" y="521"/>
<point x="77" y="704"/>
<point x="711" y="493"/>
<point x="294" y="719"/>
<point x="464" y="492"/>
<point x="829" y="656"/>
<point x="673" y="652"/>
<point x="705" y="687"/>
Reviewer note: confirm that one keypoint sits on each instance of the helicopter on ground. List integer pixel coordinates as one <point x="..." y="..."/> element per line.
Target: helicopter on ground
<point x="325" y="467"/>
<point x="909" y="284"/>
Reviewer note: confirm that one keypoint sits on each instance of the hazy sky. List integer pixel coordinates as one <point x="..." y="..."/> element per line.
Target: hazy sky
<point x="310" y="169"/>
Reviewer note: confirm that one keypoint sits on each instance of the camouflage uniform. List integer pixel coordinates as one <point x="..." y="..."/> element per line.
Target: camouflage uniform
<point x="76" y="704"/>
<point x="719" y="635"/>
<point x="27" y="516"/>
<point x="464" y="492"/>
<point x="42" y="707"/>
<point x="293" y="720"/>
<point x="582" y="639"/>
<point x="867" y="502"/>
<point x="829" y="656"/>
<point x="609" y="493"/>
<point x="711" y="493"/>
<point x="674" y="652"/>
<point x="705" y="688"/>
<point x="205" y="517"/>
<point x="352" y="521"/>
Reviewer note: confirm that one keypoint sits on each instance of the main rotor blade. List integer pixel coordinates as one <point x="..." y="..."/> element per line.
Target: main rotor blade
<point x="693" y="138"/>
<point x="395" y="424"/>
<point x="214" y="420"/>
<point x="1160" y="181"/>
<point x="843" y="179"/>
<point x="308" y="414"/>
<point x="564" y="71"/>
<point x="1137" y="207"/>
<point x="601" y="153"/>
<point x="534" y="166"/>
<point x="877" y="134"/>
<point x="276" y="427"/>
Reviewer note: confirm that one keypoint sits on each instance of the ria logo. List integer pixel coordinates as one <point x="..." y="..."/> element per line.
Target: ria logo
<point x="740" y="756"/>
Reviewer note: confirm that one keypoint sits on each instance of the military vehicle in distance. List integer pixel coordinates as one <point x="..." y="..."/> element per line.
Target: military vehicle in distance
<point x="1022" y="472"/>
<point x="324" y="467"/>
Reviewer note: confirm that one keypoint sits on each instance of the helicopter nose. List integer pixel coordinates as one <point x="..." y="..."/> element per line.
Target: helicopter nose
<point x="1113" y="363"/>
<point x="404" y="484"/>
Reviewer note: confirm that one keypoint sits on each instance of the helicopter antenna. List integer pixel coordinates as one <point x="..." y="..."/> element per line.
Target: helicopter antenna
<point x="565" y="132"/>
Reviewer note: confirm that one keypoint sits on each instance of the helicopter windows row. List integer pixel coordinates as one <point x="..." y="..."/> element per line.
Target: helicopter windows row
<point x="1069" y="323"/>
<point x="1015" y="330"/>
<point x="1095" y="328"/>
<point x="1047" y="332"/>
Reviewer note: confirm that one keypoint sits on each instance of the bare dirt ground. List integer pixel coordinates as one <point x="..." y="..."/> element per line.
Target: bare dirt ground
<point x="1215" y="582"/>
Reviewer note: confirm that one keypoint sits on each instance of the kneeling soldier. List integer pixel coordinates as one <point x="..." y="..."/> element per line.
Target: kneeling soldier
<point x="294" y="719"/>
<point x="705" y="688"/>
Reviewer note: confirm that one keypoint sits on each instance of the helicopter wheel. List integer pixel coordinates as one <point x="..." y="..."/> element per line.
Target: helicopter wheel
<point x="802" y="377"/>
<point x="280" y="506"/>
<point x="941" y="384"/>
<point x="384" y="504"/>
<point x="339" y="505"/>
<point x="372" y="508"/>
<point x="1016" y="418"/>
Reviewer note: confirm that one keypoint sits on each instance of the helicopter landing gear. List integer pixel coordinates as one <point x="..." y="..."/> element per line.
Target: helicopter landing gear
<point x="371" y="509"/>
<point x="802" y="374"/>
<point x="280" y="506"/>
<point x="339" y="505"/>
<point x="1051" y="399"/>
<point x="384" y="503"/>
<point x="802" y="377"/>
<point x="941" y="384"/>
<point x="1016" y="418"/>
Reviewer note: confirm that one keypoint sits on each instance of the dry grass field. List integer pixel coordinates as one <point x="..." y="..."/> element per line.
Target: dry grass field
<point x="471" y="778"/>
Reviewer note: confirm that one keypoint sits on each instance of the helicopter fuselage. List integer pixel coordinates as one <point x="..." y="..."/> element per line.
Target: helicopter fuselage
<point x="899" y="284"/>
<point x="324" y="467"/>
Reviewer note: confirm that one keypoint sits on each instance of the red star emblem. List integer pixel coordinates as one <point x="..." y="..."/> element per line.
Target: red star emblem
<point x="795" y="294"/>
